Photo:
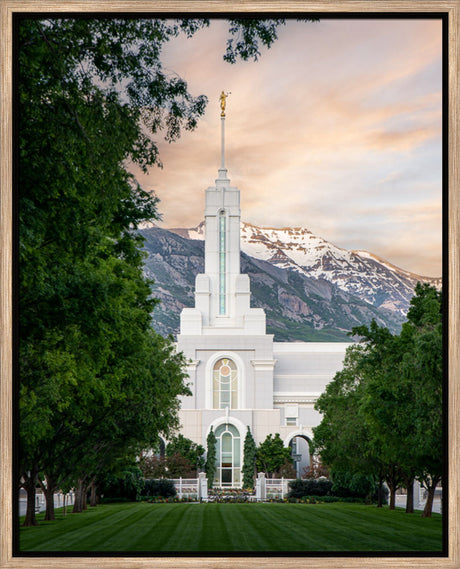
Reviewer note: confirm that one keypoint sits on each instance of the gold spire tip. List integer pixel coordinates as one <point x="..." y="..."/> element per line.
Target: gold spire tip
<point x="223" y="100"/>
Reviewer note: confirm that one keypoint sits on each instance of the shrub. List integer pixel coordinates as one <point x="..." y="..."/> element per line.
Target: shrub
<point x="349" y="485"/>
<point x="126" y="485"/>
<point x="331" y="499"/>
<point x="153" y="466"/>
<point x="311" y="487"/>
<point x="163" y="487"/>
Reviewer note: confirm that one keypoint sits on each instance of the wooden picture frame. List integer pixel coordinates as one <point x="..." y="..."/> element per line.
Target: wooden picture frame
<point x="7" y="9"/>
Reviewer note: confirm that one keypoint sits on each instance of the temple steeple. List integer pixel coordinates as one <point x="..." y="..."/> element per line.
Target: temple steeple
<point x="222" y="169"/>
<point x="222" y="293"/>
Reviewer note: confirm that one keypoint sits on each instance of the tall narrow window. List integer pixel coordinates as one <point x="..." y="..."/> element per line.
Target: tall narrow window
<point x="228" y="456"/>
<point x="225" y="384"/>
<point x="222" y="263"/>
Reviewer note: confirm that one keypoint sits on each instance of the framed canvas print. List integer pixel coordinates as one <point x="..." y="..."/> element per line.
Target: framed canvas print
<point x="229" y="284"/>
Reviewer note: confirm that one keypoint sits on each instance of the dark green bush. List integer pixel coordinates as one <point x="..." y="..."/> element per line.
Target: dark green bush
<point x="331" y="499"/>
<point x="310" y="487"/>
<point x="349" y="485"/>
<point x="344" y="485"/>
<point x="161" y="487"/>
<point x="124" y="486"/>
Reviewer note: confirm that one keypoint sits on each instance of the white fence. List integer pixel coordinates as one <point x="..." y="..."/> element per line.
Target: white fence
<point x="40" y="502"/>
<point x="271" y="488"/>
<point x="193" y="488"/>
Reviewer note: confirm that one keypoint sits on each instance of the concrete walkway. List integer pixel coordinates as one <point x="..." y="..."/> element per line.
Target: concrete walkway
<point x="40" y="504"/>
<point x="401" y="503"/>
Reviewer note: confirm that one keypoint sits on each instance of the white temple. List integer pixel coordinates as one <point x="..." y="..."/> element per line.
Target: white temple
<point x="239" y="376"/>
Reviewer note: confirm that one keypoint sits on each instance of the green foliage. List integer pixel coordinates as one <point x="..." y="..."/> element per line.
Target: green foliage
<point x="97" y="384"/>
<point x="347" y="484"/>
<point x="183" y="447"/>
<point x="310" y="487"/>
<point x="126" y="485"/>
<point x="248" y="32"/>
<point x="95" y="381"/>
<point x="210" y="465"/>
<point x="178" y="466"/>
<point x="272" y="455"/>
<point x="163" y="488"/>
<point x="332" y="499"/>
<point x="382" y="413"/>
<point x="249" y="460"/>
<point x="153" y="466"/>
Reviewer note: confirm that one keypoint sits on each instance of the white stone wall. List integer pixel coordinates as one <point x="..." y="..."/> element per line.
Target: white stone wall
<point x="276" y="380"/>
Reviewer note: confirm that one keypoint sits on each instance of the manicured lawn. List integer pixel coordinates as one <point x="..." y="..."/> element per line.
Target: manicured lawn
<point x="235" y="527"/>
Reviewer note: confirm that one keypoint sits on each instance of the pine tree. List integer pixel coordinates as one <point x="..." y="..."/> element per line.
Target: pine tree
<point x="210" y="466"/>
<point x="249" y="460"/>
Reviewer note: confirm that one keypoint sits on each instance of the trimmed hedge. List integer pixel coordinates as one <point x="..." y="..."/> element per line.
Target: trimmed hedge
<point x="123" y="486"/>
<point x="332" y="499"/>
<point x="310" y="487"/>
<point x="162" y="487"/>
<point x="350" y="488"/>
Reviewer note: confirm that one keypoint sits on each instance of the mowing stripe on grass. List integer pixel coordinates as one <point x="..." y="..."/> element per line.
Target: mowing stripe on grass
<point x="182" y="527"/>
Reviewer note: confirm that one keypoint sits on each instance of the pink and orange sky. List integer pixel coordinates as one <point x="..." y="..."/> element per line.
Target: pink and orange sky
<point x="337" y="128"/>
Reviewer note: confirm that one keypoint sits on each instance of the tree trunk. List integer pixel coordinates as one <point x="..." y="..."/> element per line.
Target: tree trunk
<point x="392" y="481"/>
<point x="429" y="500"/>
<point x="84" y="497"/>
<point x="78" y="504"/>
<point x="48" y="490"/>
<point x="430" y="484"/>
<point x="380" y="493"/>
<point x="392" y="487"/>
<point x="410" y="497"/>
<point x="93" y="496"/>
<point x="29" y="485"/>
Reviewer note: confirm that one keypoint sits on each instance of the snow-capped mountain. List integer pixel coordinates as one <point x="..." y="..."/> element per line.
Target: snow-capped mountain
<point x="359" y="273"/>
<point x="298" y="307"/>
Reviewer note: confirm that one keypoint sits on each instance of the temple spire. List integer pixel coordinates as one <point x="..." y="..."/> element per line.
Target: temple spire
<point x="223" y="169"/>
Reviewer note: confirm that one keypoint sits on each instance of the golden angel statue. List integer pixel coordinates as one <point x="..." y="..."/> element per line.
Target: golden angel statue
<point x="223" y="98"/>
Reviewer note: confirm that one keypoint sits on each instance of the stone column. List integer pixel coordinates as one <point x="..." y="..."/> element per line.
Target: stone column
<point x="261" y="489"/>
<point x="202" y="486"/>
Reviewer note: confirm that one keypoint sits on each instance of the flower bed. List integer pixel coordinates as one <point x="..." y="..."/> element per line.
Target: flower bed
<point x="238" y="495"/>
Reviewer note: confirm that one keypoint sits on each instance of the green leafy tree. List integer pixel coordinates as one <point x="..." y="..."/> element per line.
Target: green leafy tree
<point x="422" y="367"/>
<point x="382" y="413"/>
<point x="341" y="439"/>
<point x="153" y="466"/>
<point x="93" y="99"/>
<point x="210" y="465"/>
<point x="272" y="456"/>
<point x="249" y="460"/>
<point x="178" y="466"/>
<point x="187" y="449"/>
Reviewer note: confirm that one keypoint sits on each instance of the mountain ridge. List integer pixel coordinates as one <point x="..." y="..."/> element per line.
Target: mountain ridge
<point x="359" y="272"/>
<point x="302" y="302"/>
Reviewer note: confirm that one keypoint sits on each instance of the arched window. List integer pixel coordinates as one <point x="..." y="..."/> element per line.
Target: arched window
<point x="225" y="384"/>
<point x="228" y="456"/>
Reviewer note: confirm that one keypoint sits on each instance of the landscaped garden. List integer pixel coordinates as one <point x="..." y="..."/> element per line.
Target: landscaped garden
<point x="234" y="527"/>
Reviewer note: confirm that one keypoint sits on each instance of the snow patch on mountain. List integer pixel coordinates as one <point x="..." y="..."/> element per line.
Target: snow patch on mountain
<point x="360" y="273"/>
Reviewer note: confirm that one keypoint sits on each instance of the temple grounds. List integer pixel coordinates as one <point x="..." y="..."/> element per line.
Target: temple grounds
<point x="264" y="527"/>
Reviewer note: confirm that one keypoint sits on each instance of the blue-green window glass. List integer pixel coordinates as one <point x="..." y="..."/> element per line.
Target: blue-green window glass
<point x="222" y="263"/>
<point x="228" y="459"/>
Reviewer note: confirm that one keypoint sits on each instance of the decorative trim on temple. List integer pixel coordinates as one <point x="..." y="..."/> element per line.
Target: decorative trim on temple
<point x="263" y="365"/>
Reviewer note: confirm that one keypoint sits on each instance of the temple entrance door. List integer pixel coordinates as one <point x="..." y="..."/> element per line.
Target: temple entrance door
<point x="228" y="456"/>
<point x="300" y="451"/>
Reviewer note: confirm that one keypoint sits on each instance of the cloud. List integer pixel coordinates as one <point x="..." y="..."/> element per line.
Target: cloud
<point x="337" y="119"/>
